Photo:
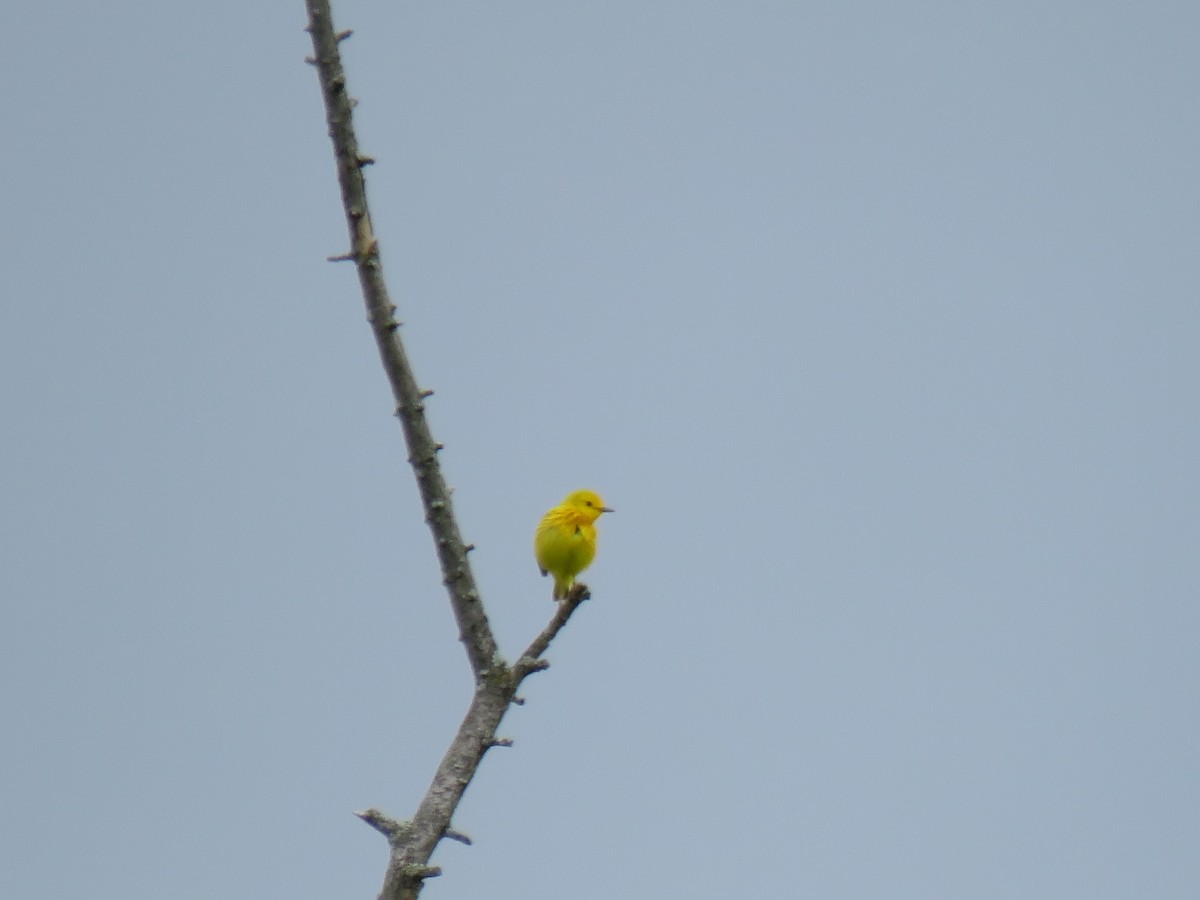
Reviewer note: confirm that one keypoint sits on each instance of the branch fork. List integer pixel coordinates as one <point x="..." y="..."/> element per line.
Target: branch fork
<point x="413" y="841"/>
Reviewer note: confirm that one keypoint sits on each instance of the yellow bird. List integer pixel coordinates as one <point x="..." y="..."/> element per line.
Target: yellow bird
<point x="565" y="542"/>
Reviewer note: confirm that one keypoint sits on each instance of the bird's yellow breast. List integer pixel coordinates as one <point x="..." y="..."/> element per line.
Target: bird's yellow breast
<point x="565" y="548"/>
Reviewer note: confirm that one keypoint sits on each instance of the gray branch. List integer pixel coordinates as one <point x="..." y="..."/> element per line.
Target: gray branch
<point x="473" y="627"/>
<point x="413" y="842"/>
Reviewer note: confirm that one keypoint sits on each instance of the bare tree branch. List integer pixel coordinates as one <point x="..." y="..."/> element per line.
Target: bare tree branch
<point x="473" y="628"/>
<point x="531" y="660"/>
<point x="413" y="842"/>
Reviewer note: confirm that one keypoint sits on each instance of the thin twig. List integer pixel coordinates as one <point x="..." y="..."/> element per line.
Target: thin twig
<point x="534" y="651"/>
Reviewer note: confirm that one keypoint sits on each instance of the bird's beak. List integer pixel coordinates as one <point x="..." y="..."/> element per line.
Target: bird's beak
<point x="606" y="509"/>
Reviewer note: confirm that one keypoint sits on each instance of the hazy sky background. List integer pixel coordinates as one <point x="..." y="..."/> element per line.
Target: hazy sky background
<point x="878" y="324"/>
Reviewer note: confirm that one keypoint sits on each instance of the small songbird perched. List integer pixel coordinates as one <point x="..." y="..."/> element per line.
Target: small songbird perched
<point x="565" y="542"/>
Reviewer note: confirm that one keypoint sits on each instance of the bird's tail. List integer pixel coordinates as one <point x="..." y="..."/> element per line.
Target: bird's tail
<point x="562" y="586"/>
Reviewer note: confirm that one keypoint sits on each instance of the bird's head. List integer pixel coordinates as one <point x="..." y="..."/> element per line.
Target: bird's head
<point x="587" y="504"/>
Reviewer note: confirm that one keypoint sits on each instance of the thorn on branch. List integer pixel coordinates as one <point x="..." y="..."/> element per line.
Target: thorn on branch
<point x="468" y="547"/>
<point x="382" y="822"/>
<point x="308" y="59"/>
<point x="425" y="393"/>
<point x="438" y="447"/>
<point x="345" y="257"/>
<point x="420" y="873"/>
<point x="343" y="35"/>
<point x="364" y="161"/>
<point x="518" y="700"/>
<point x="500" y="742"/>
<point x="458" y="836"/>
<point x="524" y="667"/>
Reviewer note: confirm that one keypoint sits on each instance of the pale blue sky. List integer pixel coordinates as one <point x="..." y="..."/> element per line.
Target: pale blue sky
<point x="877" y="323"/>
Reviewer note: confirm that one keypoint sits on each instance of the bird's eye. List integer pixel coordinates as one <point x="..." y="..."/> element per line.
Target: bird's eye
<point x="588" y="502"/>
